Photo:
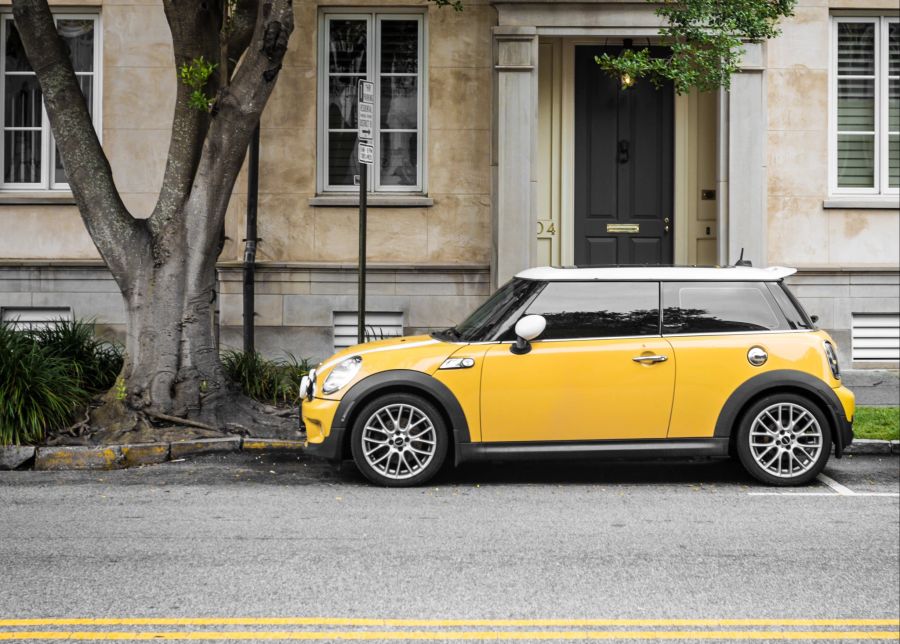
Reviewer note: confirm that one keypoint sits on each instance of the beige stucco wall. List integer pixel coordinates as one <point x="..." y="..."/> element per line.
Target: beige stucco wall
<point x="801" y="232"/>
<point x="138" y="96"/>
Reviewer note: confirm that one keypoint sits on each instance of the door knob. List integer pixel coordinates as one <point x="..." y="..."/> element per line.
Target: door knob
<point x="666" y="222"/>
<point x="650" y="358"/>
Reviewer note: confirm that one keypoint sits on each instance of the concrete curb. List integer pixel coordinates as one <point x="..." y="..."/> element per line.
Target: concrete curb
<point x="205" y="446"/>
<point x="870" y="446"/>
<point x="13" y="456"/>
<point x="114" y="457"/>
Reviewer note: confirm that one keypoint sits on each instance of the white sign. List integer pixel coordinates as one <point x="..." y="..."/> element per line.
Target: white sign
<point x="366" y="92"/>
<point x="366" y="153"/>
<point x="365" y="120"/>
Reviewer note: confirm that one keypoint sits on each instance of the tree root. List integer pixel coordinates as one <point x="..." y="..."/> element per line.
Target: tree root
<point x="178" y="420"/>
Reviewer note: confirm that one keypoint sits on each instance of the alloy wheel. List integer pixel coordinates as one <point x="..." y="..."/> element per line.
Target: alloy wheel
<point x="786" y="440"/>
<point x="399" y="441"/>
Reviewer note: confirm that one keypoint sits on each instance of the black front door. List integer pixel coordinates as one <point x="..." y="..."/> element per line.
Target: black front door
<point x="624" y="146"/>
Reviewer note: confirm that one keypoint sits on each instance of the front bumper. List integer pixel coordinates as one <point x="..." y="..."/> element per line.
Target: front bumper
<point x="322" y="438"/>
<point x="844" y="418"/>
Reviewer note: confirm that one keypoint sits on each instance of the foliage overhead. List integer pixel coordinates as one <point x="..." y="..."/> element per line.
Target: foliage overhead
<point x="706" y="39"/>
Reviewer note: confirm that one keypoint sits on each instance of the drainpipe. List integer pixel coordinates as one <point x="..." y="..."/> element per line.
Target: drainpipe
<point x="250" y="244"/>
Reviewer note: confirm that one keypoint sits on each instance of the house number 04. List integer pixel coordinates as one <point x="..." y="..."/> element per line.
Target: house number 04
<point x="549" y="228"/>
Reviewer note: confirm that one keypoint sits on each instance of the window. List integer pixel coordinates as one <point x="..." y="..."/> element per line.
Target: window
<point x="32" y="318"/>
<point x="386" y="49"/>
<point x="876" y="336"/>
<point x="865" y="106"/>
<point x="597" y="309"/>
<point x="379" y="326"/>
<point x="30" y="160"/>
<point x="500" y="310"/>
<point x="720" y="307"/>
<point x="794" y="313"/>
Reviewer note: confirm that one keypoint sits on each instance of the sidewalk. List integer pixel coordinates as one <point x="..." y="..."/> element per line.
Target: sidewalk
<point x="875" y="387"/>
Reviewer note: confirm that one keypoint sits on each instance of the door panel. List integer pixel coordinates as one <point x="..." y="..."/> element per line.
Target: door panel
<point x="577" y="390"/>
<point x="601" y="250"/>
<point x="624" y="173"/>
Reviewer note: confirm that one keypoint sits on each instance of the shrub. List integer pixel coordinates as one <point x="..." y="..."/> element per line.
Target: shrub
<point x="271" y="381"/>
<point x="97" y="362"/>
<point x="39" y="392"/>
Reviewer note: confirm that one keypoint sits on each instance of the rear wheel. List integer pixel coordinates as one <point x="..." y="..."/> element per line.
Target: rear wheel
<point x="399" y="440"/>
<point x="784" y="439"/>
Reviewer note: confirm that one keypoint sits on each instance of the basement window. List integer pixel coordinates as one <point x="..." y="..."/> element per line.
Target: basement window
<point x="31" y="318"/>
<point x="876" y="337"/>
<point x="379" y="325"/>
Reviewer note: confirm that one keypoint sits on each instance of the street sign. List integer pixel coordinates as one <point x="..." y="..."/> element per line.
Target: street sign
<point x="366" y="92"/>
<point x="365" y="117"/>
<point x="366" y="152"/>
<point x="365" y="120"/>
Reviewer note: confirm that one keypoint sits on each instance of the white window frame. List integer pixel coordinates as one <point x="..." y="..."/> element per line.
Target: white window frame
<point x="374" y="19"/>
<point x="881" y="134"/>
<point x="48" y="142"/>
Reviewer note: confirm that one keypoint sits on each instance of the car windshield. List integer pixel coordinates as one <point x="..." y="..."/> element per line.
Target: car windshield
<point x="483" y="324"/>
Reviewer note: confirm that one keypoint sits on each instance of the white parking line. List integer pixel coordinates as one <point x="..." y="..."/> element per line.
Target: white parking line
<point x="839" y="490"/>
<point x="829" y="494"/>
<point x="843" y="490"/>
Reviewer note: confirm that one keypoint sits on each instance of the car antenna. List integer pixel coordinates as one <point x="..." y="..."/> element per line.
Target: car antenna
<point x="741" y="261"/>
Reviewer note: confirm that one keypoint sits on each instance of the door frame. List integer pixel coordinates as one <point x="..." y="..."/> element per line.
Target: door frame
<point x="567" y="154"/>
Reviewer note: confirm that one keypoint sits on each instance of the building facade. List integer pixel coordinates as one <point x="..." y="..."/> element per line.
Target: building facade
<point x="499" y="146"/>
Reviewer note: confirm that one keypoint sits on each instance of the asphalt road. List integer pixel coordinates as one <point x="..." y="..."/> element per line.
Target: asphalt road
<point x="283" y="537"/>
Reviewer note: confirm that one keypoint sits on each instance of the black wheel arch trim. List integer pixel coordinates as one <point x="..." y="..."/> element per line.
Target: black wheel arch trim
<point x="410" y="380"/>
<point x="770" y="381"/>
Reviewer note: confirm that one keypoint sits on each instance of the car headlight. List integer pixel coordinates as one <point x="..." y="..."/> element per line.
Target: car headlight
<point x="341" y="374"/>
<point x="831" y="354"/>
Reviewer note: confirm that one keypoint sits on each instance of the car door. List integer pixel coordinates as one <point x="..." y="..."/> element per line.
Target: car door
<point x="599" y="371"/>
<point x="712" y="326"/>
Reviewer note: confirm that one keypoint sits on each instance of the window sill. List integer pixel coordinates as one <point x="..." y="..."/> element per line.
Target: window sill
<point x="889" y="202"/>
<point x="373" y="201"/>
<point x="37" y="198"/>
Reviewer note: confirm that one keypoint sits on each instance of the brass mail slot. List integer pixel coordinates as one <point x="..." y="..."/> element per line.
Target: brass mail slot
<point x="623" y="228"/>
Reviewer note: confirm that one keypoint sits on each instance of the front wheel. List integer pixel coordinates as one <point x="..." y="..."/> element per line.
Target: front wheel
<point x="399" y="440"/>
<point x="784" y="439"/>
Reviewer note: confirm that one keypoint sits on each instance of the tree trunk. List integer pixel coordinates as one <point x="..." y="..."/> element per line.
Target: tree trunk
<point x="166" y="265"/>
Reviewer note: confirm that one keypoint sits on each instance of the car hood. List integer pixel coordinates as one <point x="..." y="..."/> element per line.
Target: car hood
<point x="418" y="352"/>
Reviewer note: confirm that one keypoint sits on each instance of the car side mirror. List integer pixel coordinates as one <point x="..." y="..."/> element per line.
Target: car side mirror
<point x="527" y="329"/>
<point x="814" y="318"/>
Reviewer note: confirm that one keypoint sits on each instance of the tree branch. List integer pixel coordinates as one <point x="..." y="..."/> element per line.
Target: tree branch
<point x="243" y="23"/>
<point x="194" y="34"/>
<point x="114" y="231"/>
<point x="238" y="110"/>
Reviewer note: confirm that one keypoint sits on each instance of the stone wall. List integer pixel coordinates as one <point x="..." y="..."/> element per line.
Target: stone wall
<point x="802" y="232"/>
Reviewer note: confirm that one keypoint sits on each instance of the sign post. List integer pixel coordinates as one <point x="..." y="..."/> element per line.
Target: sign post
<point x="365" y="123"/>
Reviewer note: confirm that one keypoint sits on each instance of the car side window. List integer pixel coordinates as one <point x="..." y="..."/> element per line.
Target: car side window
<point x="719" y="307"/>
<point x="597" y="309"/>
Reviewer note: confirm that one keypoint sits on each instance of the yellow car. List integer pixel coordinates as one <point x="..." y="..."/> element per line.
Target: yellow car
<point x="594" y="362"/>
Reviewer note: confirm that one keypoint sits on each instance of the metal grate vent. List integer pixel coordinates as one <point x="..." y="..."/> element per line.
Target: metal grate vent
<point x="876" y="336"/>
<point x="27" y="318"/>
<point x="379" y="325"/>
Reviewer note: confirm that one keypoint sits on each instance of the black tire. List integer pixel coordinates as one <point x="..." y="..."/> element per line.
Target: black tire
<point x="407" y="447"/>
<point x="812" y="466"/>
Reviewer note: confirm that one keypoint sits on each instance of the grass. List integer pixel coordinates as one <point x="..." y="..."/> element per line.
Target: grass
<point x="877" y="422"/>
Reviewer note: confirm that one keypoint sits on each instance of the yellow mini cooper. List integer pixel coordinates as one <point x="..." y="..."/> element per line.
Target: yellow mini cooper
<point x="594" y="362"/>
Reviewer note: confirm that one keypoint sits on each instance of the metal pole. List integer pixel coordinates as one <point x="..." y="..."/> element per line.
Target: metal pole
<point x="361" y="305"/>
<point x="250" y="245"/>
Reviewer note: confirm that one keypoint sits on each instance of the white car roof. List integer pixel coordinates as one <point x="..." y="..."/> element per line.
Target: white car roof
<point x="660" y="273"/>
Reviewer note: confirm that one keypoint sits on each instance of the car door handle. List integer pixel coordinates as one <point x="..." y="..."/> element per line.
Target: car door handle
<point x="650" y="358"/>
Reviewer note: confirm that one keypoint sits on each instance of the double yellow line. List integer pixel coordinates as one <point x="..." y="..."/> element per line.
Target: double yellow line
<point x="665" y="629"/>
